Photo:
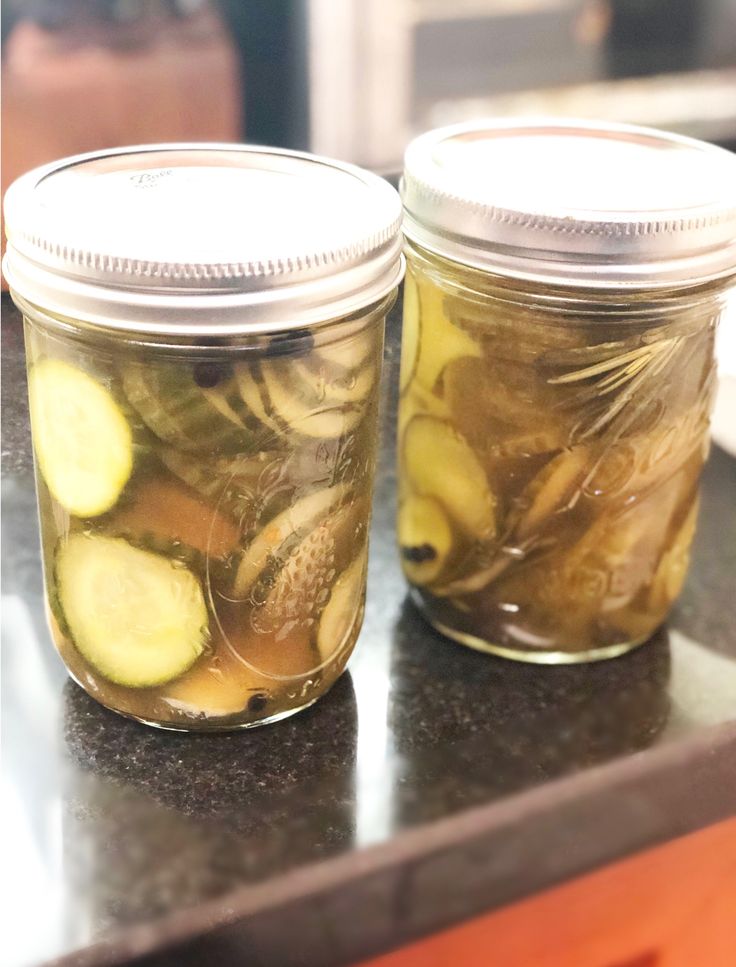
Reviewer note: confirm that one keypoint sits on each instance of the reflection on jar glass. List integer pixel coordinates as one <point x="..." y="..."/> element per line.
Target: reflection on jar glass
<point x="555" y="395"/>
<point x="204" y="431"/>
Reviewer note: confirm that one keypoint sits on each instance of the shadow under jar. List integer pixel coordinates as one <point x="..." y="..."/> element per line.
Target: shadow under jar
<point x="563" y="289"/>
<point x="203" y="387"/>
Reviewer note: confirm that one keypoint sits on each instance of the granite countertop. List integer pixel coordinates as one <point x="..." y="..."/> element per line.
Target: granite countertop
<point x="432" y="783"/>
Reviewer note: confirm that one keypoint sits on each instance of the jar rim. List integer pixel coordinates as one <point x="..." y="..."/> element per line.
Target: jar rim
<point x="470" y="194"/>
<point x="212" y="238"/>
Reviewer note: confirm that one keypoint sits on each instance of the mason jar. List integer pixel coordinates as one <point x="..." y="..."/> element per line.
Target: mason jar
<point x="564" y="284"/>
<point x="204" y="330"/>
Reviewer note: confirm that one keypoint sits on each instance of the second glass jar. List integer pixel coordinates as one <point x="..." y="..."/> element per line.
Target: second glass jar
<point x="549" y="459"/>
<point x="557" y="376"/>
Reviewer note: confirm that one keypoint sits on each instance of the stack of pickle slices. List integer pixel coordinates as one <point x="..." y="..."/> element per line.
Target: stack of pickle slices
<point x="206" y="521"/>
<point x="548" y="466"/>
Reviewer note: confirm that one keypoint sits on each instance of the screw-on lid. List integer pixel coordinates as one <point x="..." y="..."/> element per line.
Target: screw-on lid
<point x="574" y="202"/>
<point x="202" y="238"/>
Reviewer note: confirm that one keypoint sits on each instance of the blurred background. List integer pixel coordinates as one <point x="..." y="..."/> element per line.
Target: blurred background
<point x="353" y="79"/>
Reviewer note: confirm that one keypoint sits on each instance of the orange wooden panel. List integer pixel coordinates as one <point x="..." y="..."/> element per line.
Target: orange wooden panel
<point x="672" y="906"/>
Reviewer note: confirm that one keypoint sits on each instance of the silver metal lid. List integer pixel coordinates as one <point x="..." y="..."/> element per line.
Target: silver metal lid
<point x="573" y="202"/>
<point x="214" y="238"/>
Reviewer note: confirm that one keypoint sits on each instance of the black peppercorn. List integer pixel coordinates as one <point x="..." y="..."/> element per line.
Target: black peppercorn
<point x="257" y="702"/>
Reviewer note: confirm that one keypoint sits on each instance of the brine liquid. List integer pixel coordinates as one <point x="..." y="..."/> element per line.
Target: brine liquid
<point x="253" y="472"/>
<point x="549" y="461"/>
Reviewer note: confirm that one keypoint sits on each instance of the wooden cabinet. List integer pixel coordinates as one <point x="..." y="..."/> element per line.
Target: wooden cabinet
<point x="672" y="906"/>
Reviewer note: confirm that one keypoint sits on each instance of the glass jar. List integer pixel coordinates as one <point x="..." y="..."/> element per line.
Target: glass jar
<point x="557" y="377"/>
<point x="203" y="365"/>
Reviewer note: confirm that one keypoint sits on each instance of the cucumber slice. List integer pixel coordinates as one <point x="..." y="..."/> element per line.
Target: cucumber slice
<point x="297" y="519"/>
<point x="216" y="688"/>
<point x="232" y="482"/>
<point x="306" y="415"/>
<point x="410" y="332"/>
<point x="295" y="586"/>
<point x="425" y="539"/>
<point x="251" y="392"/>
<point x="182" y="413"/>
<point x="439" y="463"/>
<point x="672" y="570"/>
<point x="137" y="617"/>
<point x="168" y="515"/>
<point x="333" y="388"/>
<point x="348" y="352"/>
<point x="343" y="610"/>
<point x="442" y="342"/>
<point x="225" y="399"/>
<point x="556" y="487"/>
<point x="417" y="401"/>
<point x="83" y="443"/>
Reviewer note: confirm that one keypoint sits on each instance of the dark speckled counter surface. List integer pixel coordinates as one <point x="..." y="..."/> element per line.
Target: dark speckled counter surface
<point x="431" y="784"/>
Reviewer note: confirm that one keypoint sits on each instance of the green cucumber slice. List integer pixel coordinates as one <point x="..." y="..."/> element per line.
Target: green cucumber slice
<point x="440" y="341"/>
<point x="307" y="416"/>
<point x="182" y="413"/>
<point x="343" y="610"/>
<point x="83" y="443"/>
<point x="411" y="332"/>
<point x="250" y="388"/>
<point x="348" y="386"/>
<point x="295" y="520"/>
<point x="225" y="399"/>
<point x="295" y="584"/>
<point x="439" y="463"/>
<point x="557" y="485"/>
<point x="348" y="352"/>
<point x="425" y="538"/>
<point x="137" y="617"/>
<point x="220" y="479"/>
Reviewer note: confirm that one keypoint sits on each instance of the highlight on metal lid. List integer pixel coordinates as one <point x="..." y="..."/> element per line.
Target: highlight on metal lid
<point x="574" y="202"/>
<point x="188" y="237"/>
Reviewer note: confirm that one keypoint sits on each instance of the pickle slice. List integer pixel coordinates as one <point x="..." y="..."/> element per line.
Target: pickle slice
<point x="225" y="398"/>
<point x="137" y="617"/>
<point x="230" y="682"/>
<point x="672" y="570"/>
<point x="231" y="482"/>
<point x="348" y="352"/>
<point x="180" y="412"/>
<point x="418" y="401"/>
<point x="441" y="342"/>
<point x="82" y="440"/>
<point x="296" y="519"/>
<point x="304" y="413"/>
<point x="169" y="513"/>
<point x="555" y="488"/>
<point x="343" y="610"/>
<point x="295" y="588"/>
<point x="439" y="463"/>
<point x="251" y="392"/>
<point x="425" y="539"/>
<point x="331" y="388"/>
<point x="214" y="689"/>
<point x="410" y="332"/>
